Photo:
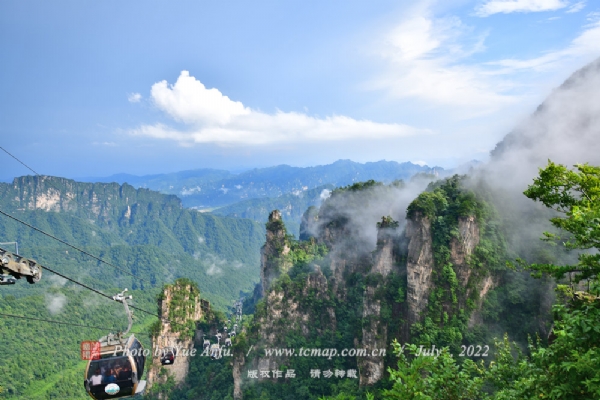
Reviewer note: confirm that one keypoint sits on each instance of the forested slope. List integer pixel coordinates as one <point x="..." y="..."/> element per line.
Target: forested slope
<point x="146" y="233"/>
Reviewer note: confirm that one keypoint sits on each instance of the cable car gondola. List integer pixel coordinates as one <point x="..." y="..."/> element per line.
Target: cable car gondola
<point x="168" y="356"/>
<point x="18" y="267"/>
<point x="117" y="370"/>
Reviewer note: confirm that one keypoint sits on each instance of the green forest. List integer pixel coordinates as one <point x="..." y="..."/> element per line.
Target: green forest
<point x="159" y="242"/>
<point x="524" y="361"/>
<point x="539" y="320"/>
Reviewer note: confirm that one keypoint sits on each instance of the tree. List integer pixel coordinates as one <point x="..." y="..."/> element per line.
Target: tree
<point x="569" y="367"/>
<point x="437" y="377"/>
<point x="576" y="195"/>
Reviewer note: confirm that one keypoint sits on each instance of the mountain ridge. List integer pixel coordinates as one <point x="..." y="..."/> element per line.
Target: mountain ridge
<point x="209" y="188"/>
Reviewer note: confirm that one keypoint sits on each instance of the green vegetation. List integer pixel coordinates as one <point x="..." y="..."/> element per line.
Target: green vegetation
<point x="433" y="378"/>
<point x="162" y="242"/>
<point x="568" y="367"/>
<point x="313" y="311"/>
<point x="148" y="233"/>
<point x="42" y="360"/>
<point x="207" y="379"/>
<point x="576" y="195"/>
<point x="144" y="232"/>
<point x="387" y="222"/>
<point x="185" y="295"/>
<point x="451" y="303"/>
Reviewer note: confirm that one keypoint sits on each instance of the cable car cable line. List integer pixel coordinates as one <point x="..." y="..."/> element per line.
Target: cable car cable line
<point x="96" y="291"/>
<point x="26" y="166"/>
<point x="70" y="245"/>
<point x="59" y="322"/>
<point x="54" y="237"/>
<point x="125" y="379"/>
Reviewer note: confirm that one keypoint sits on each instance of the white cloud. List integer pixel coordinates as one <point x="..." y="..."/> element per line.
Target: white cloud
<point x="491" y="7"/>
<point x="421" y="163"/>
<point x="134" y="97"/>
<point x="428" y="61"/>
<point x="593" y="17"/>
<point x="189" y="101"/>
<point x="585" y="45"/>
<point x="216" y="264"/>
<point x="57" y="281"/>
<point x="325" y="194"/>
<point x="576" y="7"/>
<point x="110" y="144"/>
<point x="211" y="117"/>
<point x="55" y="302"/>
<point x="213" y="269"/>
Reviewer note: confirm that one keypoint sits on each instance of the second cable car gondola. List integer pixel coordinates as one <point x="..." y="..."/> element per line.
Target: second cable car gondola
<point x="118" y="366"/>
<point x="168" y="356"/>
<point x="14" y="266"/>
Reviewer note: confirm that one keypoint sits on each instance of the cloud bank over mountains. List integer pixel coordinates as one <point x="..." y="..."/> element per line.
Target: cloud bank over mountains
<point x="208" y="116"/>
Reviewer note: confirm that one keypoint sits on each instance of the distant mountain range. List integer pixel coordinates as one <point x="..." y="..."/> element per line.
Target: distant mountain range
<point x="146" y="232"/>
<point x="210" y="188"/>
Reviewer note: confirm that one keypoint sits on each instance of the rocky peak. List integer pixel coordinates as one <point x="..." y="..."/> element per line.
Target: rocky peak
<point x="387" y="234"/>
<point x="179" y="304"/>
<point x="272" y="254"/>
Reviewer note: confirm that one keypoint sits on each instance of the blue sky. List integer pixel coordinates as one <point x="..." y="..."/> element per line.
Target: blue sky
<point x="96" y="88"/>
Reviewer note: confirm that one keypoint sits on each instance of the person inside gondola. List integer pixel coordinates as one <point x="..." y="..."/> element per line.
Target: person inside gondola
<point x="117" y="369"/>
<point x="110" y="377"/>
<point x="125" y="374"/>
<point x="96" y="379"/>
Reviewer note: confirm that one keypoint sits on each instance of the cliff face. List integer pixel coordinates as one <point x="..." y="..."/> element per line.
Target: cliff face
<point x="182" y="306"/>
<point x="419" y="265"/>
<point x="284" y="312"/>
<point x="105" y="203"/>
<point x="462" y="247"/>
<point x="375" y="330"/>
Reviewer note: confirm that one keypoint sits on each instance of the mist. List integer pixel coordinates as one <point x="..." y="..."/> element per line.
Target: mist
<point x="564" y="129"/>
<point x="359" y="211"/>
<point x="55" y="302"/>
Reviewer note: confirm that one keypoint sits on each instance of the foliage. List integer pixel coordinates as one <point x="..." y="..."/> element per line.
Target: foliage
<point x="185" y="296"/>
<point x="146" y="233"/>
<point x="162" y="388"/>
<point x="387" y="222"/>
<point x="356" y="187"/>
<point x="576" y="195"/>
<point x="433" y="378"/>
<point x="444" y="204"/>
<point x="42" y="360"/>
<point x="567" y="368"/>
